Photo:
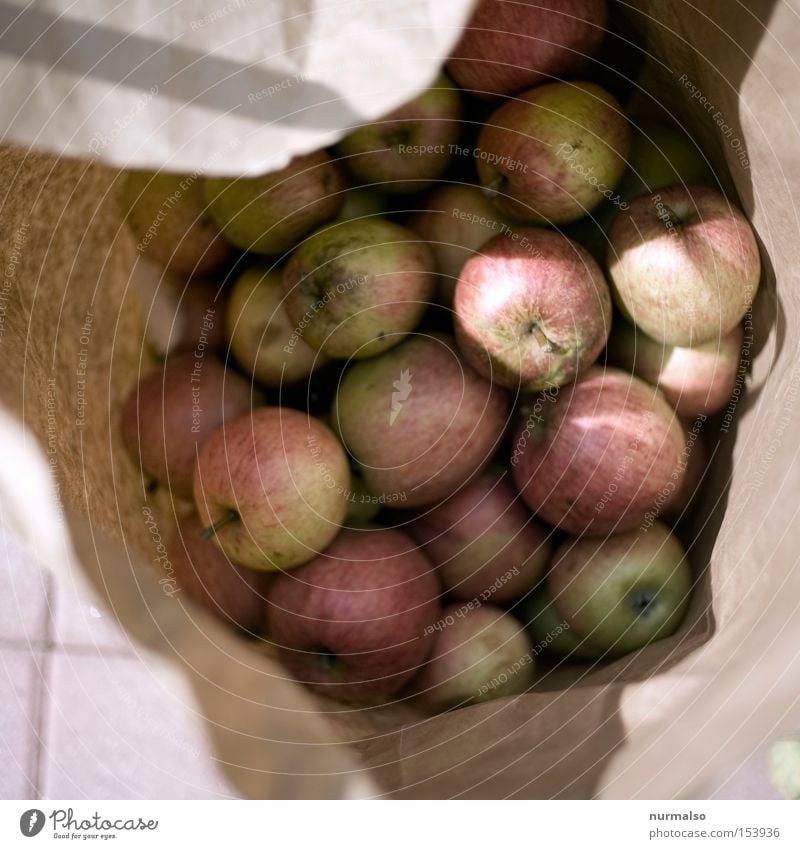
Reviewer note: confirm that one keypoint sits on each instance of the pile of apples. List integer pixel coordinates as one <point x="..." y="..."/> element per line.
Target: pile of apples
<point x="424" y="451"/>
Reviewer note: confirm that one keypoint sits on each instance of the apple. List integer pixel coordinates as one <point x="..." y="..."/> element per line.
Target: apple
<point x="357" y="621"/>
<point x="552" y="154"/>
<point x="661" y="156"/>
<point x="171" y="222"/>
<point x="409" y="148"/>
<point x="548" y="630"/>
<point x="458" y="219"/>
<point x="622" y="591"/>
<point x="362" y="505"/>
<point x="480" y="653"/>
<point x="485" y="543"/>
<point x="607" y="450"/>
<point x="506" y="47"/>
<point x="695" y="460"/>
<point x="358" y="287"/>
<point x="200" y="315"/>
<point x="271" y="213"/>
<point x="684" y="265"/>
<point x="271" y="487"/>
<point x="263" y="338"/>
<point x="175" y="408"/>
<point x="696" y="381"/>
<point x="180" y="314"/>
<point x="361" y="203"/>
<point x="233" y="594"/>
<point x="419" y="421"/>
<point x="532" y="310"/>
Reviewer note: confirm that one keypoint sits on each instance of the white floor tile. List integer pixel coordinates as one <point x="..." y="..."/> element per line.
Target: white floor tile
<point x="77" y="623"/>
<point x="113" y="733"/>
<point x="20" y="686"/>
<point x="23" y="593"/>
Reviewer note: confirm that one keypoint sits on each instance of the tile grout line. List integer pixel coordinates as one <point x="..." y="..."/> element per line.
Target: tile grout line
<point x="72" y="649"/>
<point x="42" y="688"/>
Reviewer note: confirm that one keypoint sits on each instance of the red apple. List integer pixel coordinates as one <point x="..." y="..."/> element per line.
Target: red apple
<point x="532" y="310"/>
<point x="271" y="213"/>
<point x="509" y="46"/>
<point x="174" y="409"/>
<point x="272" y="487"/>
<point x="410" y="147"/>
<point x="684" y="265"/>
<point x="171" y="222"/>
<point x="609" y="448"/>
<point x="486" y="544"/>
<point x="263" y="338"/>
<point x="204" y="573"/>
<point x="358" y="287"/>
<point x="554" y="153"/>
<point x="696" y="381"/>
<point x="480" y="653"/>
<point x="457" y="221"/>
<point x="695" y="460"/>
<point x="419" y="421"/>
<point x="357" y="621"/>
<point x="622" y="591"/>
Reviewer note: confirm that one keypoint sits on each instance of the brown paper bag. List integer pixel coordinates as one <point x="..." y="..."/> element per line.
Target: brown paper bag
<point x="665" y="722"/>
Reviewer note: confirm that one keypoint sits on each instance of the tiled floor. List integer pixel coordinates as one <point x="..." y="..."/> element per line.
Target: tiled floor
<point x="80" y="715"/>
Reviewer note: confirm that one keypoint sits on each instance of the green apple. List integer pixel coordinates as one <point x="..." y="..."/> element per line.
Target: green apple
<point x="662" y="156"/>
<point x="362" y="505"/>
<point x="361" y="203"/>
<point x="548" y="630"/>
<point x="622" y="591"/>
<point x="271" y="213"/>
<point x="263" y="338"/>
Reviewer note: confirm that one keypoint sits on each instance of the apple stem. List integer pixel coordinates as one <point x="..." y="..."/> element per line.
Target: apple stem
<point x="643" y="601"/>
<point x="541" y="337"/>
<point x="495" y="187"/>
<point x="672" y="217"/>
<point x="327" y="659"/>
<point x="211" y="530"/>
<point x="397" y="138"/>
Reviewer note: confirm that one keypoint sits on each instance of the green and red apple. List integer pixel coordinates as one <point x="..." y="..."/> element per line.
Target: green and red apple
<point x="357" y="288"/>
<point x="409" y="148"/>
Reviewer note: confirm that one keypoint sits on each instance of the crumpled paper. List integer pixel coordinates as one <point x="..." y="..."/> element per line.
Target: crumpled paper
<point x="212" y="86"/>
